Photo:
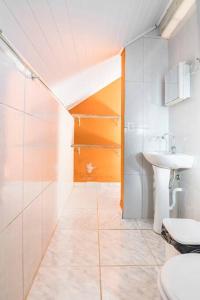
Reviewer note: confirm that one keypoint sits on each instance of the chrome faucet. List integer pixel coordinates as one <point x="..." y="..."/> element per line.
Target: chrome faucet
<point x="173" y="149"/>
<point x="171" y="141"/>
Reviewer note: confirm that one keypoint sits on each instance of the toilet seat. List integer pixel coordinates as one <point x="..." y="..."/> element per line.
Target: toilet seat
<point x="180" y="278"/>
<point x="184" y="231"/>
<point x="183" y="234"/>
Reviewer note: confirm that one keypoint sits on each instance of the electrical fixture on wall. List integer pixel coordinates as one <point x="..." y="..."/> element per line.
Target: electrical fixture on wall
<point x="195" y="66"/>
<point x="174" y="15"/>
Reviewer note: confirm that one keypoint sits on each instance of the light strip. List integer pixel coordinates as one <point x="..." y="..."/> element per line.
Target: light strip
<point x="177" y="17"/>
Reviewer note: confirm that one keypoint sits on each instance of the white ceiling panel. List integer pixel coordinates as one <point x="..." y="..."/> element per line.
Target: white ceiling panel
<point x="61" y="38"/>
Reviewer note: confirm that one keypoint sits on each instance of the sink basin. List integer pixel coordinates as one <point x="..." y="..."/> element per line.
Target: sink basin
<point x="168" y="160"/>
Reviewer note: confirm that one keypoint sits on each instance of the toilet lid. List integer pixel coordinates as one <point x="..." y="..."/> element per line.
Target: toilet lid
<point x="180" y="277"/>
<point x="184" y="231"/>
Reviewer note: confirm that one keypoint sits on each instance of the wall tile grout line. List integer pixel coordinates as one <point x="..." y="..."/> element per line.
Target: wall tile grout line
<point x="22" y="212"/>
<point x="99" y="250"/>
<point x="23" y="111"/>
<point x="25" y="207"/>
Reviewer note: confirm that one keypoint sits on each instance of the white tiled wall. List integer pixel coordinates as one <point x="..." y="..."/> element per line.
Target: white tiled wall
<point x="145" y="118"/>
<point x="184" y="117"/>
<point x="32" y="241"/>
<point x="36" y="175"/>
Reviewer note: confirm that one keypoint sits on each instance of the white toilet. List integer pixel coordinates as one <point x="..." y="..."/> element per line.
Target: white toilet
<point x="180" y="278"/>
<point x="181" y="235"/>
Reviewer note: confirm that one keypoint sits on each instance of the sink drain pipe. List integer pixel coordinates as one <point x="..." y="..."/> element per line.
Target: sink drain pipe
<point x="175" y="190"/>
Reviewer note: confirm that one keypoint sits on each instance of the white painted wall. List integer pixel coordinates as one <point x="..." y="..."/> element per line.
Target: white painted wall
<point x="78" y="88"/>
<point x="145" y="118"/>
<point x="185" y="116"/>
<point x="36" y="175"/>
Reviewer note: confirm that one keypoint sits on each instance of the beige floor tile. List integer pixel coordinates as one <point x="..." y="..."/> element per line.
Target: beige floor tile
<point x="81" y="219"/>
<point x="109" y="197"/>
<point x="113" y="220"/>
<point x="124" y="247"/>
<point x="82" y="197"/>
<point x="129" y="283"/>
<point x="157" y="246"/>
<point x="109" y="203"/>
<point x="73" y="248"/>
<point x="64" y="283"/>
<point x="145" y="223"/>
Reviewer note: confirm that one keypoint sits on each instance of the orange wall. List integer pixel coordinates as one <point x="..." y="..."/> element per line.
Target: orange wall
<point x="122" y="125"/>
<point x="106" y="162"/>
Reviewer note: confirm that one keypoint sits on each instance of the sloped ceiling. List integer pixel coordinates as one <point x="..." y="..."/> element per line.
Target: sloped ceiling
<point x="88" y="82"/>
<point x="61" y="38"/>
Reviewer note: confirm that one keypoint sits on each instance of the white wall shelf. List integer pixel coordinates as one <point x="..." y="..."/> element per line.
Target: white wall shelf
<point x="97" y="146"/>
<point x="95" y="116"/>
<point x="92" y="116"/>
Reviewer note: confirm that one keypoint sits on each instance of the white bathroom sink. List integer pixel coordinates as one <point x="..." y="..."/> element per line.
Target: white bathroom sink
<point x="168" y="160"/>
<point x="163" y="163"/>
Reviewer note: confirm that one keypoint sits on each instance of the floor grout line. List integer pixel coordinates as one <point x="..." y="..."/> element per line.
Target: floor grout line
<point x="119" y="229"/>
<point x="133" y="266"/>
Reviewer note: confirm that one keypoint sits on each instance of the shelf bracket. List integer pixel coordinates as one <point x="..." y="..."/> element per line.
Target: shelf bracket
<point x="117" y="152"/>
<point x="79" y="122"/>
<point x="79" y="151"/>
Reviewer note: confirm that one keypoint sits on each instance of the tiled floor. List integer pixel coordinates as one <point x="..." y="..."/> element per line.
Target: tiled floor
<point x="95" y="255"/>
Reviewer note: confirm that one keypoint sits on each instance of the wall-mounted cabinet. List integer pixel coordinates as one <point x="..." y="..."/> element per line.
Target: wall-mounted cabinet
<point x="177" y="84"/>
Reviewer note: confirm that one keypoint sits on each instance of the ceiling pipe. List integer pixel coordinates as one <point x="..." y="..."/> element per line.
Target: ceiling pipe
<point x="20" y="61"/>
<point x="148" y="30"/>
<point x="139" y="36"/>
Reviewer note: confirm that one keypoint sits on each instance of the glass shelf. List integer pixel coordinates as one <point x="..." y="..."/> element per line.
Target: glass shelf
<point x="96" y="146"/>
<point x="79" y="117"/>
<point x="105" y="146"/>
<point x="91" y="116"/>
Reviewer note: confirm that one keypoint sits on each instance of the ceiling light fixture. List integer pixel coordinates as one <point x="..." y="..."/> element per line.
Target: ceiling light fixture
<point x="175" y="14"/>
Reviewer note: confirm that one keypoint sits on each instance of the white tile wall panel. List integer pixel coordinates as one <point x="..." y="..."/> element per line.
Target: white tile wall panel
<point x="11" y="82"/>
<point x="184" y="117"/>
<point x="36" y="176"/>
<point x="32" y="241"/>
<point x="133" y="196"/>
<point x="133" y="151"/>
<point x="11" y="272"/>
<point x="146" y="118"/>
<point x="134" y="61"/>
<point x="134" y="94"/>
<point x="11" y="158"/>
